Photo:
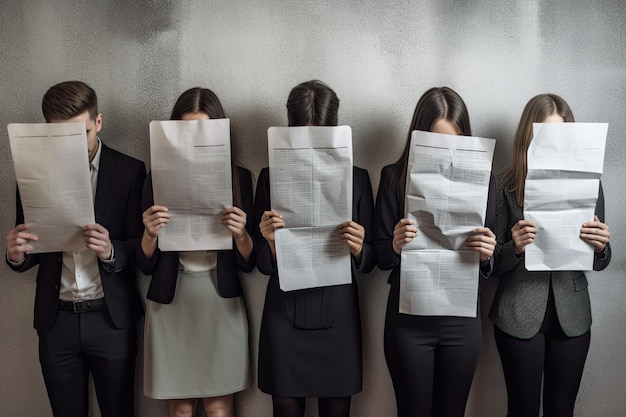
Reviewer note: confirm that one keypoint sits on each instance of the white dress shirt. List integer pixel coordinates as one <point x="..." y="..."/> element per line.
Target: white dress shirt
<point x="80" y="276"/>
<point x="198" y="261"/>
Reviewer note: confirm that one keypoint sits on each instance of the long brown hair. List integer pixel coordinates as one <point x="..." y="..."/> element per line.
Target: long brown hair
<point x="203" y="100"/>
<point x="435" y="104"/>
<point x="538" y="109"/>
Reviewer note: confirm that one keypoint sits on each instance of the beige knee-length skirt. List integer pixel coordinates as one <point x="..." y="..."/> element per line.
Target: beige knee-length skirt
<point x="197" y="346"/>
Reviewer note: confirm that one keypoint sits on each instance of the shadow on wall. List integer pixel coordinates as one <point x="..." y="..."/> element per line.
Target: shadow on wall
<point x="139" y="19"/>
<point x="249" y="126"/>
<point x="374" y="142"/>
<point x="485" y="394"/>
<point x="499" y="129"/>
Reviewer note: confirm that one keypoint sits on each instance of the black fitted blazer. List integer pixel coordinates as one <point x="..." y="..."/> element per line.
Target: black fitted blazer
<point x="388" y="214"/>
<point x="361" y="213"/>
<point x="117" y="208"/>
<point x="163" y="266"/>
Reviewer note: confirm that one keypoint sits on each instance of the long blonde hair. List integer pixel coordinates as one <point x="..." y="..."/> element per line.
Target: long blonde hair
<point x="538" y="109"/>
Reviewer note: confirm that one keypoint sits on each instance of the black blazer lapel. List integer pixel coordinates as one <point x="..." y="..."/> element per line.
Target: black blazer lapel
<point x="105" y="176"/>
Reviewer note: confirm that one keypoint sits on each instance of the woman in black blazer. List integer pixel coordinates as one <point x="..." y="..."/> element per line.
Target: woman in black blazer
<point x="542" y="318"/>
<point x="431" y="359"/>
<point x="310" y="341"/>
<point x="196" y="331"/>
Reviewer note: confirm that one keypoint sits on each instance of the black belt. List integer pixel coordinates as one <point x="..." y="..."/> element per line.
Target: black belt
<point x="82" y="306"/>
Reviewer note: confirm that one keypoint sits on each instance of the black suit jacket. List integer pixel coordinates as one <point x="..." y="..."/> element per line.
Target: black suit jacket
<point x="312" y="308"/>
<point x="164" y="265"/>
<point x="118" y="209"/>
<point x="388" y="214"/>
<point x="362" y="213"/>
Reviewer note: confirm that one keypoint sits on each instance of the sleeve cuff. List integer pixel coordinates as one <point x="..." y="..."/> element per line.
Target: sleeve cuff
<point x="599" y="255"/>
<point x="109" y="264"/>
<point x="18" y="264"/>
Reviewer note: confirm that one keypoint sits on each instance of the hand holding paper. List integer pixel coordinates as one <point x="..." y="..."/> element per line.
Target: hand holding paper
<point x="596" y="233"/>
<point x="442" y="238"/>
<point x="523" y="234"/>
<point x="154" y="219"/>
<point x="52" y="172"/>
<point x="234" y="219"/>
<point x="352" y="234"/>
<point x="565" y="163"/>
<point x="18" y="243"/>
<point x="403" y="233"/>
<point x="192" y="177"/>
<point x="483" y="241"/>
<point x="311" y="186"/>
<point x="97" y="240"/>
<point x="271" y="221"/>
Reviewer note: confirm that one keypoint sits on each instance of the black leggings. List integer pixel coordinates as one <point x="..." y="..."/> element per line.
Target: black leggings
<point x="559" y="358"/>
<point x="328" y="407"/>
<point x="431" y="361"/>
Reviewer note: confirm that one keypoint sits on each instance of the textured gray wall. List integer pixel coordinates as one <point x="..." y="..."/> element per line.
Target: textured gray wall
<point x="379" y="56"/>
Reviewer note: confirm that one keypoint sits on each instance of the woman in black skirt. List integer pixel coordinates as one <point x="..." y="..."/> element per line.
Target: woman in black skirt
<point x="310" y="342"/>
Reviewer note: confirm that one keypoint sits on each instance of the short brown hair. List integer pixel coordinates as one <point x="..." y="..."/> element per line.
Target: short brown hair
<point x="69" y="99"/>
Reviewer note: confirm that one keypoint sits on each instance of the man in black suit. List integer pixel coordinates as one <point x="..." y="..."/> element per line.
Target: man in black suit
<point x="86" y="302"/>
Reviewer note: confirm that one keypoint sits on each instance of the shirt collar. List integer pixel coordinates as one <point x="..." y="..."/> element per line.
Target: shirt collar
<point x="96" y="159"/>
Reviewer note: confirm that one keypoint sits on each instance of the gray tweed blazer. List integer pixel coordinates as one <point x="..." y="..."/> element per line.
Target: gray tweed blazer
<point x="520" y="302"/>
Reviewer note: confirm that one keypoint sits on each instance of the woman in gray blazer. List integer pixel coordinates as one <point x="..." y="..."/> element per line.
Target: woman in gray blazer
<point x="542" y="318"/>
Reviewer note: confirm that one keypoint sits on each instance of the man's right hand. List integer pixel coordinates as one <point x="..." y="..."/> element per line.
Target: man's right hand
<point x="18" y="243"/>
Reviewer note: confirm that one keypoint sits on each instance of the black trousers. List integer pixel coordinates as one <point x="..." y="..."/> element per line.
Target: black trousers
<point x="431" y="360"/>
<point x="551" y="353"/>
<point x="79" y="344"/>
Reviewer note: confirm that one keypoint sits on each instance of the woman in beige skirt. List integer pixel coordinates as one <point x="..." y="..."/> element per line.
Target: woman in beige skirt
<point x="196" y="329"/>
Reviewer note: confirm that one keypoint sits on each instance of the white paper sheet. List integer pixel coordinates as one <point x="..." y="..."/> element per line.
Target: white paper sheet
<point x="52" y="170"/>
<point x="565" y="163"/>
<point x="311" y="257"/>
<point x="192" y="177"/>
<point x="311" y="187"/>
<point x="439" y="283"/>
<point x="446" y="194"/>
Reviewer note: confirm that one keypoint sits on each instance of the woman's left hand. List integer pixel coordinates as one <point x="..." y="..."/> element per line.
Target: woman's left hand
<point x="352" y="234"/>
<point x="234" y="219"/>
<point x="482" y="241"/>
<point x="596" y="233"/>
